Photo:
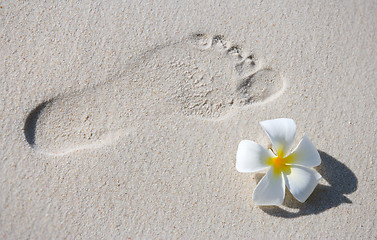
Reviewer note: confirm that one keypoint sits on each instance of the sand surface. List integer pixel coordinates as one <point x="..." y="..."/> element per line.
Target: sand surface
<point x="122" y="119"/>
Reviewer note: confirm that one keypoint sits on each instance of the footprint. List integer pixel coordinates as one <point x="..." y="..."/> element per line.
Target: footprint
<point x="202" y="76"/>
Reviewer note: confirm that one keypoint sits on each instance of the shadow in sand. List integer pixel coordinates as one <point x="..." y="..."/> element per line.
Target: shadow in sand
<point x="342" y="181"/>
<point x="31" y="123"/>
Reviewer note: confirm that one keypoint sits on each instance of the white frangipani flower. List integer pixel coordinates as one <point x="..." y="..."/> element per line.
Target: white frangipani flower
<point x="293" y="170"/>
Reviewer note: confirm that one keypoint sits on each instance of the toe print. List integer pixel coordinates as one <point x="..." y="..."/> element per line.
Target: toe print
<point x="223" y="78"/>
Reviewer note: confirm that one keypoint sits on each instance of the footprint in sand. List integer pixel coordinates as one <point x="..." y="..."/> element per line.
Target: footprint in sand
<point x="201" y="76"/>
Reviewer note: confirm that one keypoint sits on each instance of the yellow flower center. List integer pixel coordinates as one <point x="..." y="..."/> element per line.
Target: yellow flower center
<point x="280" y="163"/>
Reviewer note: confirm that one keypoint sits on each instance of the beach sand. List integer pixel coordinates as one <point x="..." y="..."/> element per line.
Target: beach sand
<point x="122" y="119"/>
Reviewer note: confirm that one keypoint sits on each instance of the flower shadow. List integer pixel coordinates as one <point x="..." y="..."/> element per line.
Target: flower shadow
<point x="342" y="181"/>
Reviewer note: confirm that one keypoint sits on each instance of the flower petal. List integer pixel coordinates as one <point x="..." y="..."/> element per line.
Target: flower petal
<point x="305" y="154"/>
<point x="281" y="132"/>
<point x="301" y="181"/>
<point x="270" y="190"/>
<point x="252" y="157"/>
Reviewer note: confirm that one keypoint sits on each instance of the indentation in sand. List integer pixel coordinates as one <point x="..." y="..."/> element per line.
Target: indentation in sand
<point x="83" y="120"/>
<point x="202" y="76"/>
<point x="219" y="77"/>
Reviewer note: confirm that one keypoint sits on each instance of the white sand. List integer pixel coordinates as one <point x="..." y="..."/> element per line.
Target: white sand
<point x="122" y="119"/>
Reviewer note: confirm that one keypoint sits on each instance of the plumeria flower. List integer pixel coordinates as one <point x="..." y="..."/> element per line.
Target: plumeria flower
<point x="291" y="169"/>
